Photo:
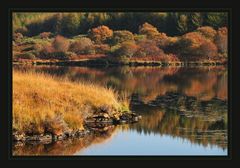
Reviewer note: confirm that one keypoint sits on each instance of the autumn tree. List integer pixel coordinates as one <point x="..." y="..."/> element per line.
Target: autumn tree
<point x="194" y="46"/>
<point x="60" y="44"/>
<point x="81" y="45"/>
<point x="45" y="35"/>
<point x="121" y="36"/>
<point x="162" y="40"/>
<point x="100" y="34"/>
<point x="207" y="32"/>
<point x="127" y="49"/>
<point x="207" y="49"/>
<point x="148" y="48"/>
<point x="149" y="30"/>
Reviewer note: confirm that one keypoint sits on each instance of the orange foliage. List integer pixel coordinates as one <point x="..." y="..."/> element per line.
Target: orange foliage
<point x="148" y="30"/>
<point x="207" y="32"/>
<point x="100" y="34"/>
<point x="45" y="35"/>
<point x="60" y="44"/>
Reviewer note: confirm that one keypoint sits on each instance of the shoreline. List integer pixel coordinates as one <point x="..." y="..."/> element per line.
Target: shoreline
<point x="93" y="124"/>
<point x="106" y="63"/>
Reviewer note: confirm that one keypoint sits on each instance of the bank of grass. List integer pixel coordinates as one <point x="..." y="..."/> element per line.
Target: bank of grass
<point x="44" y="103"/>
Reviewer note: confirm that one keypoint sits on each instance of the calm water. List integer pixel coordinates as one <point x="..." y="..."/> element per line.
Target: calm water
<point x="184" y="112"/>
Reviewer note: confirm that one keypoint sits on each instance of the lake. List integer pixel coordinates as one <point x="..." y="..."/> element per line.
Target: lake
<point x="184" y="112"/>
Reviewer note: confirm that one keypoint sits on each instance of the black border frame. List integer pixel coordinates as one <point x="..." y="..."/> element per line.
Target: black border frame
<point x="164" y="4"/>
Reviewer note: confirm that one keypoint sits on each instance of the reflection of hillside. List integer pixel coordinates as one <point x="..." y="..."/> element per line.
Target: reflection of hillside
<point x="149" y="82"/>
<point x="66" y="147"/>
<point x="202" y="122"/>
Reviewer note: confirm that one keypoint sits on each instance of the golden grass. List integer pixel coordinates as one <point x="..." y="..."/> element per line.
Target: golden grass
<point x="40" y="100"/>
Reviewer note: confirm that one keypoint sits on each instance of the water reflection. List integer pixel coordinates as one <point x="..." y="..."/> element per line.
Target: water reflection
<point x="187" y="103"/>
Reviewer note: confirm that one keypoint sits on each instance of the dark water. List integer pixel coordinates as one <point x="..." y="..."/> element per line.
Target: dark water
<point x="184" y="112"/>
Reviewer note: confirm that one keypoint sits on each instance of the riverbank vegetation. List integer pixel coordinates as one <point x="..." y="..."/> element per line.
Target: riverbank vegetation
<point x="45" y="104"/>
<point x="148" y="38"/>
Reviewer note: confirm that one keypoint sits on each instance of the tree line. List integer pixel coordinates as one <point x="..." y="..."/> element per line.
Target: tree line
<point x="71" y="24"/>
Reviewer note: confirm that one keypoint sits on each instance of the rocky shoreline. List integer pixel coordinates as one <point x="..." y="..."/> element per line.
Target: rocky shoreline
<point x="95" y="123"/>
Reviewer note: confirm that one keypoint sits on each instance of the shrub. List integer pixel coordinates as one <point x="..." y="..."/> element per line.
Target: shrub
<point x="46" y="51"/>
<point x="162" y="40"/>
<point x="90" y="50"/>
<point x="17" y="36"/>
<point x="100" y="34"/>
<point x="121" y="36"/>
<point x="38" y="47"/>
<point x="27" y="55"/>
<point x="60" y="44"/>
<point x="102" y="48"/>
<point x="139" y="37"/>
<point x="208" y="49"/>
<point x="81" y="45"/>
<point x="45" y="35"/>
<point x="221" y="40"/>
<point x="57" y="55"/>
<point x="22" y="30"/>
<point x="194" y="44"/>
<point x="207" y="32"/>
<point x="148" y="48"/>
<point x="149" y="30"/>
<point x="127" y="49"/>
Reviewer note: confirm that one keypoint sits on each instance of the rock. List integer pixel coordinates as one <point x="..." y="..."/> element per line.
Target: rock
<point x="45" y="138"/>
<point x="101" y="115"/>
<point x="54" y="137"/>
<point x="123" y="121"/>
<point x="135" y="119"/>
<point x="19" y="137"/>
<point x="61" y="137"/>
<point x="106" y="115"/>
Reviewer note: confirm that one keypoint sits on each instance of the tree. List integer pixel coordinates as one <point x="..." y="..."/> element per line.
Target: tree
<point x="70" y="24"/>
<point x="149" y="30"/>
<point x="81" y="45"/>
<point x="162" y="40"/>
<point x="194" y="46"/>
<point x="148" y="48"/>
<point x="60" y="44"/>
<point x="207" y="32"/>
<point x="195" y="20"/>
<point x="127" y="49"/>
<point x="182" y="24"/>
<point x="207" y="49"/>
<point x="121" y="36"/>
<point x="45" y="35"/>
<point x="100" y="34"/>
<point x="216" y="19"/>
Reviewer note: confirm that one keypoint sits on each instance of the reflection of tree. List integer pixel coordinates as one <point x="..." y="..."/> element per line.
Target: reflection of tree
<point x="202" y="122"/>
<point x="149" y="82"/>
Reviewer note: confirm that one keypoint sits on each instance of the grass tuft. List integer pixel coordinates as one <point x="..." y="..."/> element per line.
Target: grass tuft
<point x="43" y="103"/>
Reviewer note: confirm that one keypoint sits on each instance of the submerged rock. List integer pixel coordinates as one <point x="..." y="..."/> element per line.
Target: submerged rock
<point x="116" y="118"/>
<point x="97" y="122"/>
